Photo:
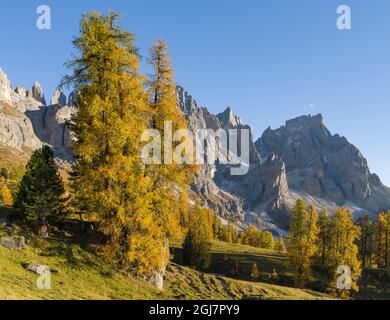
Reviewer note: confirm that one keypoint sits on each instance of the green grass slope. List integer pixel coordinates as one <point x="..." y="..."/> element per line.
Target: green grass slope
<point x="80" y="275"/>
<point x="77" y="274"/>
<point x="186" y="283"/>
<point x="267" y="261"/>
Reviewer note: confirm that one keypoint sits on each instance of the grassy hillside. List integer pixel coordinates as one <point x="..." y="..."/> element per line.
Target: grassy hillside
<point x="186" y="283"/>
<point x="79" y="274"/>
<point x="224" y="255"/>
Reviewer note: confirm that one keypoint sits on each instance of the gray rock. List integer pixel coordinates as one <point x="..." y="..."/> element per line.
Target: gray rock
<point x="21" y="91"/>
<point x="37" y="268"/>
<point x="36" y="93"/>
<point x="59" y="98"/>
<point x="229" y="119"/>
<point x="6" y="90"/>
<point x="16" y="129"/>
<point x="13" y="243"/>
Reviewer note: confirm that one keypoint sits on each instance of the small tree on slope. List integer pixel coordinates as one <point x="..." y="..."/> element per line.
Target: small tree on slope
<point x="41" y="193"/>
<point x="196" y="247"/>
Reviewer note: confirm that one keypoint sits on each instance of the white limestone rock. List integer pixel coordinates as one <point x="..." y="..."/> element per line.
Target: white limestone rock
<point x="58" y="98"/>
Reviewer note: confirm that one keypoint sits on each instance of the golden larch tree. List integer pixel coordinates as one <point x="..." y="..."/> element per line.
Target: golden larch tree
<point x="109" y="180"/>
<point x="171" y="180"/>
<point x="343" y="252"/>
<point x="7" y="196"/>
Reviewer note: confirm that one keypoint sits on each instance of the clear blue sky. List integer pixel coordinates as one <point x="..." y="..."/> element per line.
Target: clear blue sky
<point x="268" y="59"/>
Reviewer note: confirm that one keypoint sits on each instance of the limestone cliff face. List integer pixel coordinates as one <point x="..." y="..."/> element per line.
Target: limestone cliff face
<point x="226" y="205"/>
<point x="235" y="197"/>
<point x="26" y="122"/>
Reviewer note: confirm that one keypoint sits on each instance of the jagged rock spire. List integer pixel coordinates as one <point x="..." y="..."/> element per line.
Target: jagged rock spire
<point x="21" y="91"/>
<point x="36" y="93"/>
<point x="58" y="98"/>
<point x="228" y="118"/>
<point x="5" y="87"/>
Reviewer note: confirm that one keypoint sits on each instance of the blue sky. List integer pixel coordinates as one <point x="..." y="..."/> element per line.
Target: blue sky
<point x="270" y="60"/>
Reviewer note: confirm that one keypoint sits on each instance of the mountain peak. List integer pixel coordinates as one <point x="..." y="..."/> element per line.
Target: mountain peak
<point x="186" y="103"/>
<point x="324" y="165"/>
<point x="58" y="98"/>
<point x="36" y="93"/>
<point x="6" y="89"/>
<point x="306" y="121"/>
<point x="228" y="118"/>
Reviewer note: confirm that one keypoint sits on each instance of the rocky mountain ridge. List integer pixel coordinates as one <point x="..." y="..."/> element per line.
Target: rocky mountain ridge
<point x="324" y="165"/>
<point x="26" y="122"/>
<point x="302" y="159"/>
<point x="299" y="160"/>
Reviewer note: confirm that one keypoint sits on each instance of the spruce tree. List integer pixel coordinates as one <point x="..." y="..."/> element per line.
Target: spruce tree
<point x="41" y="193"/>
<point x="197" y="245"/>
<point x="217" y="226"/>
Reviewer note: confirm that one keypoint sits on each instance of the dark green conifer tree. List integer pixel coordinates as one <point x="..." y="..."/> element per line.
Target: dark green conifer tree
<point x="41" y="193"/>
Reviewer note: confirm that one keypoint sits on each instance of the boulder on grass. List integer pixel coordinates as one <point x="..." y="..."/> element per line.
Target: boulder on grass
<point x="13" y="243"/>
<point x="37" y="268"/>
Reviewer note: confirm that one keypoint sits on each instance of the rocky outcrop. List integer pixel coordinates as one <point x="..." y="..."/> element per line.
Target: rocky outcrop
<point x="51" y="127"/>
<point x="226" y="205"/>
<point x="13" y="243"/>
<point x="6" y="91"/>
<point x="26" y="123"/>
<point x="21" y="91"/>
<point x="58" y="98"/>
<point x="39" y="269"/>
<point x="229" y="119"/>
<point x="16" y="130"/>
<point x="36" y="93"/>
